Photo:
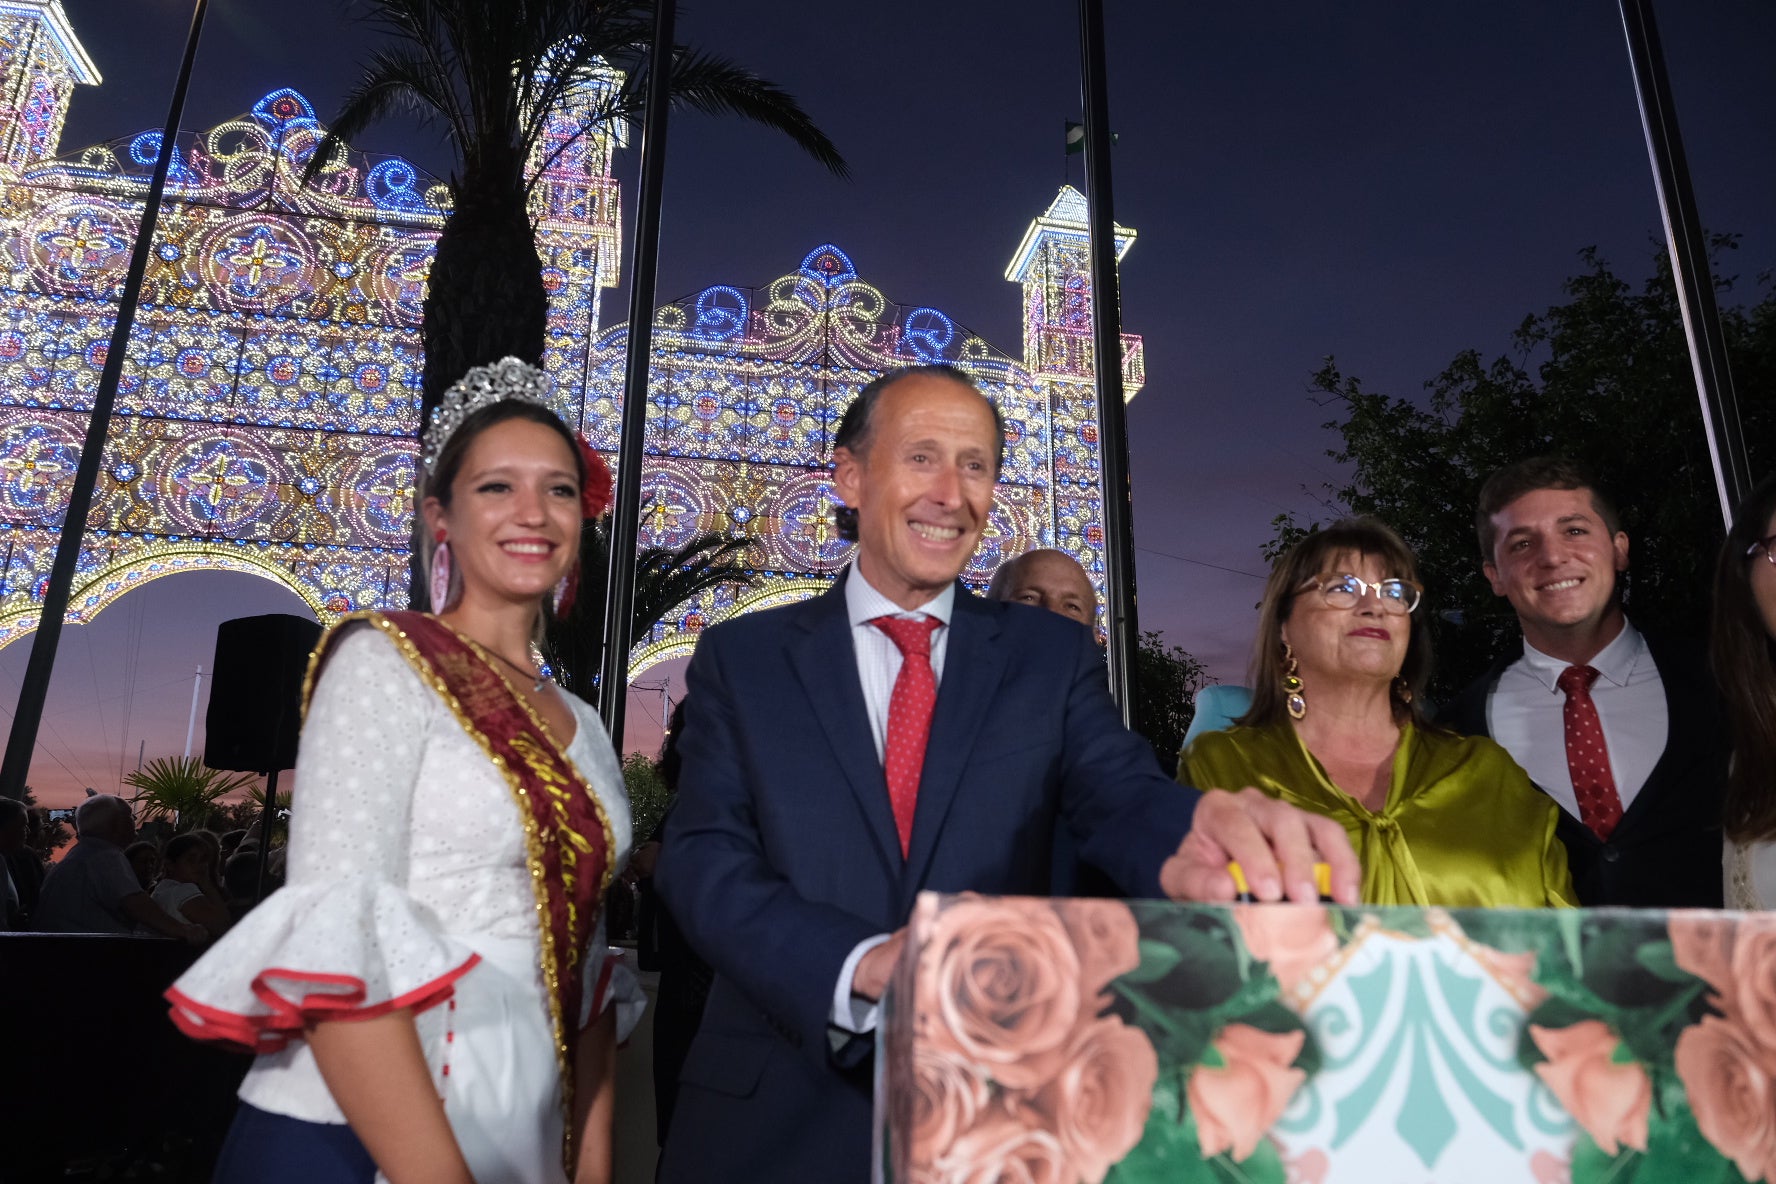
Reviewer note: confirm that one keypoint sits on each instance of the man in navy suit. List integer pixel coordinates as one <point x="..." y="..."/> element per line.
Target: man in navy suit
<point x="894" y="735"/>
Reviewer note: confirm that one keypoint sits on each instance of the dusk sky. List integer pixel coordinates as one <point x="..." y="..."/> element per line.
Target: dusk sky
<point x="1389" y="183"/>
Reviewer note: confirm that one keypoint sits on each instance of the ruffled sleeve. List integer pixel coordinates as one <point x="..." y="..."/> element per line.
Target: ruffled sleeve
<point x="343" y="939"/>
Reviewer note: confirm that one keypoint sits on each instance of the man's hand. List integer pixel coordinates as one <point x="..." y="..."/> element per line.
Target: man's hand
<point x="1275" y="844"/>
<point x="195" y="935"/>
<point x="876" y="967"/>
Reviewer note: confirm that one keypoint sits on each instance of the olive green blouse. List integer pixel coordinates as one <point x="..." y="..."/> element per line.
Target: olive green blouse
<point x="1463" y="827"/>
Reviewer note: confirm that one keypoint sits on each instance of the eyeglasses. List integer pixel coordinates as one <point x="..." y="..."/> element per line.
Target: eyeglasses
<point x="1344" y="590"/>
<point x="1767" y="546"/>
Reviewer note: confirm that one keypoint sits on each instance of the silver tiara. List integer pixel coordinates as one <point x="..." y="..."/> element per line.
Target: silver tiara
<point x="483" y="386"/>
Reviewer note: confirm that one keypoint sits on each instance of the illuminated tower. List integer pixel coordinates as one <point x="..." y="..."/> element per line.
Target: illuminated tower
<point x="41" y="61"/>
<point x="1053" y="263"/>
<point x="576" y="210"/>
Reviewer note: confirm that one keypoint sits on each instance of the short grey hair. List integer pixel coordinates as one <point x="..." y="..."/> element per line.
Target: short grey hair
<point x="99" y="811"/>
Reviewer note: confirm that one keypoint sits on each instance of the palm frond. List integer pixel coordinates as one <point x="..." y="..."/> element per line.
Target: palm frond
<point x="718" y="86"/>
<point x="181" y="788"/>
<point x="393" y="80"/>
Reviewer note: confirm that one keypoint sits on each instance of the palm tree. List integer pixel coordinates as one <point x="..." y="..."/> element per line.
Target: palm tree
<point x="494" y="73"/>
<point x="664" y="579"/>
<point x="182" y="790"/>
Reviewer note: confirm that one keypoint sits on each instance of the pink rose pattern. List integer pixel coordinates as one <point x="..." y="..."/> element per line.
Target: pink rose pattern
<point x="1727" y="1063"/>
<point x="1610" y="1101"/>
<point x="1018" y="1077"/>
<point x="1730" y="1087"/>
<point x="1291" y="938"/>
<point x="1235" y="1104"/>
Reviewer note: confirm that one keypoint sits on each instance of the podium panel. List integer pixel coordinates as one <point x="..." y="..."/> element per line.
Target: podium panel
<point x="1089" y="1041"/>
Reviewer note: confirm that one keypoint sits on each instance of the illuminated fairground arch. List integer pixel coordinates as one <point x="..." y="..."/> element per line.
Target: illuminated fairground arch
<point x="111" y="583"/>
<point x="269" y="402"/>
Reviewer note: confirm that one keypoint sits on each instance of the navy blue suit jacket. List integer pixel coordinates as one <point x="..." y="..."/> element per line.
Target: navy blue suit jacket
<point x="781" y="854"/>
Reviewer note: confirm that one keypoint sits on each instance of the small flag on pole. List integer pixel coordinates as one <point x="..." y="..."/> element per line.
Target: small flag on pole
<point x="1076" y="138"/>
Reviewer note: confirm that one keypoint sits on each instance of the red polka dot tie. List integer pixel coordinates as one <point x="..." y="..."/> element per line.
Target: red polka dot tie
<point x="909" y="717"/>
<point x="1587" y="758"/>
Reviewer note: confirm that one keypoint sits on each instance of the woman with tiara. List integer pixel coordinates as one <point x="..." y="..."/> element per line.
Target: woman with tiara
<point x="429" y="994"/>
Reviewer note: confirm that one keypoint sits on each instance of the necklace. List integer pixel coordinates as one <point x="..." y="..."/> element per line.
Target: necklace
<point x="536" y="674"/>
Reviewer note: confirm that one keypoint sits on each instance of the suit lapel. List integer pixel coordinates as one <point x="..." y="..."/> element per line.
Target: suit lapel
<point x="973" y="668"/>
<point x="825" y="660"/>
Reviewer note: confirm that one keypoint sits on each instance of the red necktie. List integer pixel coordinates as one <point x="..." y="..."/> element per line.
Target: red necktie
<point x="1587" y="759"/>
<point x="909" y="717"/>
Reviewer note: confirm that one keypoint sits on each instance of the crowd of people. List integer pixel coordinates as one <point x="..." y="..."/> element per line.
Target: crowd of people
<point x="458" y="819"/>
<point x="191" y="887"/>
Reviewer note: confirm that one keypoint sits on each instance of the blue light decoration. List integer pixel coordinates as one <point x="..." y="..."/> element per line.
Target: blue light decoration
<point x="266" y="416"/>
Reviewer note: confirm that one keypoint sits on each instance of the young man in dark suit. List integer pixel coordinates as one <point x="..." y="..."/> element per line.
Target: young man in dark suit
<point x="893" y="735"/>
<point x="1621" y="728"/>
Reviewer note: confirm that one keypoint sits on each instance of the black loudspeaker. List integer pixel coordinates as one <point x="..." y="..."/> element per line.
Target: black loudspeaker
<point x="256" y="692"/>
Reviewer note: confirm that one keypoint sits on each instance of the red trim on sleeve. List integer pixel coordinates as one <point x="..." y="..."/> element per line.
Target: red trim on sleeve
<point x="287" y="1018"/>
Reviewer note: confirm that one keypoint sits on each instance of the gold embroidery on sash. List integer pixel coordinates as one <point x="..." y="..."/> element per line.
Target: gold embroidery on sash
<point x="481" y="697"/>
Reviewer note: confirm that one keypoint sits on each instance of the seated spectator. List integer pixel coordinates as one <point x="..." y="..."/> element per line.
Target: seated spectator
<point x="240" y="880"/>
<point x="231" y="841"/>
<point x="21" y="873"/>
<point x="94" y="889"/>
<point x="187" y="889"/>
<point x="1336" y="727"/>
<point x="144" y="860"/>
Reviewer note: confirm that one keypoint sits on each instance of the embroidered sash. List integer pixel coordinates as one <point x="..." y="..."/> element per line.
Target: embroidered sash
<point x="567" y="835"/>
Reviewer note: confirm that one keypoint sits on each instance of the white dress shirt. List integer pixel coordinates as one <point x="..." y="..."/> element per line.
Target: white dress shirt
<point x="878" y="665"/>
<point x="1526" y="714"/>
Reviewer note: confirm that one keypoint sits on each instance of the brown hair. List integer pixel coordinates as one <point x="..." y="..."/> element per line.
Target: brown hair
<point x="1745" y="666"/>
<point x="1367" y="537"/>
<point x="1526" y="476"/>
<point x="450" y="458"/>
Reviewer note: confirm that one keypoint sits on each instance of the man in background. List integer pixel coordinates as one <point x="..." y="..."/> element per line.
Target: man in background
<point x="1621" y="728"/>
<point x="94" y="889"/>
<point x="1047" y="579"/>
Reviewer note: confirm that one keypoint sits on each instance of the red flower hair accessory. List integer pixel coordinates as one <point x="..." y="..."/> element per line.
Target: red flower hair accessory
<point x="595" y="493"/>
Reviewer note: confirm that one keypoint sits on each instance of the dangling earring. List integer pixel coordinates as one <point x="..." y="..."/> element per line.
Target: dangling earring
<point x="1403" y="690"/>
<point x="565" y="590"/>
<point x="440" y="574"/>
<point x="1296" y="701"/>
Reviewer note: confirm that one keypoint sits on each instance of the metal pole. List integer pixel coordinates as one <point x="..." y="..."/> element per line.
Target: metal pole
<point x="23" y="739"/>
<point x="267" y="820"/>
<point x="1689" y="258"/>
<point x="619" y="599"/>
<point x="1119" y="530"/>
<point x="191" y="721"/>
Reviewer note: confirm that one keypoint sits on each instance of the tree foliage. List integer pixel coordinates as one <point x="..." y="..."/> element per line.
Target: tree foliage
<point x="1166" y="680"/>
<point x="494" y="75"/>
<point x="648" y="794"/>
<point x="182" y="791"/>
<point x="1603" y="378"/>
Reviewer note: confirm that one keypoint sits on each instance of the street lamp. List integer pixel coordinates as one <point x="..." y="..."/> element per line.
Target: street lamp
<point x="23" y="739"/>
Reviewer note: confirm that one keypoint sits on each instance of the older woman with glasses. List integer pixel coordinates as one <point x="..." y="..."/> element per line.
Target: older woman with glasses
<point x="1336" y="727"/>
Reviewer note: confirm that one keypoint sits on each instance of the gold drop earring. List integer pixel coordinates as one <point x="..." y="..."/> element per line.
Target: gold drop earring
<point x="1296" y="701"/>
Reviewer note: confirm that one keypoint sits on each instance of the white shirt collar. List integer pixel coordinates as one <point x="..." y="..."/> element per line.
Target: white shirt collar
<point x="1615" y="661"/>
<point x="864" y="604"/>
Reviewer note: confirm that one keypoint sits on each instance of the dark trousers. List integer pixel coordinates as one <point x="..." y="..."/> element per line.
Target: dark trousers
<point x="265" y="1148"/>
